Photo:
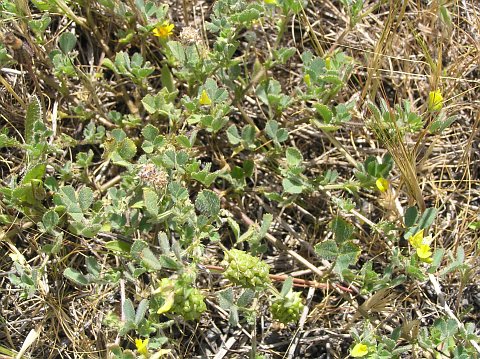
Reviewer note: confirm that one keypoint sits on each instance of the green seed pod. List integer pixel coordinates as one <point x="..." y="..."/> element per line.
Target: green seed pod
<point x="246" y="270"/>
<point x="287" y="309"/>
<point x="187" y="301"/>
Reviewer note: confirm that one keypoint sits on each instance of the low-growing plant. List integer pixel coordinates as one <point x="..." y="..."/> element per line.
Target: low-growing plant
<point x="138" y="184"/>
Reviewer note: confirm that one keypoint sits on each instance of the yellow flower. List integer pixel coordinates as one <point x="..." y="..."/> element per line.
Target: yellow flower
<point x="270" y="2"/>
<point x="307" y="80"/>
<point x="164" y="30"/>
<point x="328" y="63"/>
<point x="416" y="240"/>
<point x="359" y="350"/>
<point x="204" y="99"/>
<point x="168" y="304"/>
<point x="142" y="346"/>
<point x="422" y="246"/>
<point x="382" y="184"/>
<point x="424" y="252"/>
<point x="435" y="100"/>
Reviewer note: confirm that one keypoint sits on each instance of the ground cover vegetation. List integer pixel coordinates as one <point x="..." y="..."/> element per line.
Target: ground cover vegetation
<point x="239" y="179"/>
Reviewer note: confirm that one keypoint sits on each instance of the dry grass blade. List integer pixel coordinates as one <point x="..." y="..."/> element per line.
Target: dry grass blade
<point x="393" y="138"/>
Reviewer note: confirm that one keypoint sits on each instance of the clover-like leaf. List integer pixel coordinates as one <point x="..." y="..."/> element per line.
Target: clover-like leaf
<point x="208" y="203"/>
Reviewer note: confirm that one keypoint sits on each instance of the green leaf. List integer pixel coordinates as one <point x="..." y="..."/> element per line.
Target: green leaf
<point x="325" y="112"/>
<point x="218" y="123"/>
<point x="178" y="192"/>
<point x="266" y="222"/>
<point x="460" y="255"/>
<point x="39" y="26"/>
<point x="273" y="130"/>
<point x="6" y="141"/>
<point x="50" y="219"/>
<point x="246" y="298"/>
<point x="293" y="5"/>
<point x="183" y="141"/>
<point x="208" y="203"/>
<point x="327" y="249"/>
<point x="85" y="198"/>
<point x="283" y="54"/>
<point x="163" y="242"/>
<point x="67" y="42"/>
<point x="342" y="229"/>
<point x="410" y="217"/>
<point x="169" y="263"/>
<point x="436" y="260"/>
<point x="475" y="226"/>
<point x="33" y="115"/>
<point x="441" y="124"/>
<point x="172" y="159"/>
<point x="234" y="227"/>
<point x="150" y="132"/>
<point x="141" y="311"/>
<point x="204" y="176"/>
<point x="248" y="134"/>
<point x="127" y="149"/>
<point x="233" y="319"/>
<point x="129" y="310"/>
<point x="292" y="185"/>
<point x="177" y="51"/>
<point x="287" y="286"/>
<point x="92" y="266"/>
<point x="427" y="218"/>
<point x="69" y="199"/>
<point x="248" y="167"/>
<point x="167" y="78"/>
<point x="34" y="173"/>
<point x="118" y="246"/>
<point x="137" y="247"/>
<point x="151" y="201"/>
<point x="147" y="146"/>
<point x="136" y="61"/>
<point x="85" y="228"/>
<point x="149" y="103"/>
<point x="348" y="256"/>
<point x="75" y="276"/>
<point x="294" y="157"/>
<point x="150" y="260"/>
<point x="109" y="65"/>
<point x="447" y="328"/>
<point x="225" y="299"/>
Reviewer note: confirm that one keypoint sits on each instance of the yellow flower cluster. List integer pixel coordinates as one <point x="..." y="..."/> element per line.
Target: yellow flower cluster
<point x="422" y="246"/>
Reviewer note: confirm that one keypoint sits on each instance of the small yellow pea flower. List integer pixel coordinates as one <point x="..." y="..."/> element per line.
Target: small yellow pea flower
<point x="435" y="100"/>
<point x="328" y="63"/>
<point x="359" y="350"/>
<point x="422" y="246"/>
<point x="307" y="79"/>
<point x="417" y="239"/>
<point x="424" y="252"/>
<point x="168" y="304"/>
<point x="142" y="346"/>
<point x="382" y="184"/>
<point x="204" y="99"/>
<point x="164" y="30"/>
